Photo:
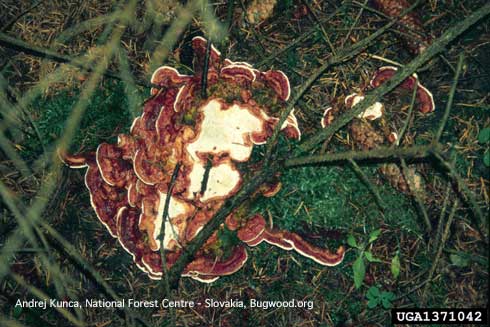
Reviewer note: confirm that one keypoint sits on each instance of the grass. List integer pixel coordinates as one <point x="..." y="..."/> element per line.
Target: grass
<point x="322" y="203"/>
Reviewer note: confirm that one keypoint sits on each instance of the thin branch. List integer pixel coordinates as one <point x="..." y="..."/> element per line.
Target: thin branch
<point x="6" y="321"/>
<point x="354" y="24"/>
<point x="32" y="233"/>
<point x="8" y="25"/>
<point x="198" y="241"/>
<point x="178" y="26"/>
<point x="442" y="214"/>
<point x="444" y="238"/>
<point x="161" y="237"/>
<point x="34" y="212"/>
<point x="320" y="24"/>
<point x="466" y="193"/>
<point x="309" y="33"/>
<point x="365" y="179"/>
<point x="45" y="297"/>
<point x="204" y="76"/>
<point x="414" y="152"/>
<point x="86" y="268"/>
<point x="409" y="116"/>
<point x="205" y="177"/>
<point x="15" y="95"/>
<point x="412" y="34"/>
<point x="9" y="150"/>
<point x="21" y="46"/>
<point x="449" y="104"/>
<point x="228" y="22"/>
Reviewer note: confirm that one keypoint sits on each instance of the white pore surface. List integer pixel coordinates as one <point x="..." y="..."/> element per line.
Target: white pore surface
<point x="226" y="130"/>
<point x="176" y="208"/>
<point x="222" y="130"/>
<point x="373" y="112"/>
<point x="221" y="181"/>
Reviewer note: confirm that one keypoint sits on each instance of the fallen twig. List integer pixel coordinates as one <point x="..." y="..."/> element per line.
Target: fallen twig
<point x="362" y="176"/>
<point x="413" y="152"/>
<point x="197" y="242"/>
<point x="467" y="195"/>
<point x="450" y="99"/>
<point x="444" y="238"/>
<point x="161" y="238"/>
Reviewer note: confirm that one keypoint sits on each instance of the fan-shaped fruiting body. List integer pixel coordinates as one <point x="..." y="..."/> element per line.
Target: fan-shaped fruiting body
<point x="370" y="129"/>
<point x="425" y="100"/>
<point x="129" y="182"/>
<point x="424" y="96"/>
<point x="371" y="113"/>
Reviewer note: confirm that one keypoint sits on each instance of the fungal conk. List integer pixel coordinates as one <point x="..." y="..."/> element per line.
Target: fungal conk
<point x="129" y="182"/>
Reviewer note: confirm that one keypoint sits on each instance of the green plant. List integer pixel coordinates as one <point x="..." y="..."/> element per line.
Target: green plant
<point x="359" y="265"/>
<point x="484" y="138"/>
<point x="376" y="297"/>
<point x="395" y="265"/>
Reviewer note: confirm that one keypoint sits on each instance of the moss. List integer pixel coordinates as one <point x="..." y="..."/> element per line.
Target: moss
<point x="106" y="116"/>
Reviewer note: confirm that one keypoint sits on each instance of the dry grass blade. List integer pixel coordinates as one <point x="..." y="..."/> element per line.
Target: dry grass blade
<point x="449" y="104"/>
<point x="45" y="297"/>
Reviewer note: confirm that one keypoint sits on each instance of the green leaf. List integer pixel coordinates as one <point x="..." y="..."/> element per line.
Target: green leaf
<point x="386" y="303"/>
<point x="373" y="293"/>
<point x="484" y="135"/>
<point x="388" y="295"/>
<point x="395" y="266"/>
<point x="386" y="298"/>
<point x="17" y="311"/>
<point x="373" y="303"/>
<point x="370" y="258"/>
<point x="359" y="271"/>
<point x="351" y="241"/>
<point x="486" y="158"/>
<point x="373" y="236"/>
<point x="459" y="260"/>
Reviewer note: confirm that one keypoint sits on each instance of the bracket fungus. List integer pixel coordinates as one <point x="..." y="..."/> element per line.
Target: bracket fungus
<point x="370" y="128"/>
<point x="424" y="96"/>
<point x="207" y="139"/>
<point x="425" y="99"/>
